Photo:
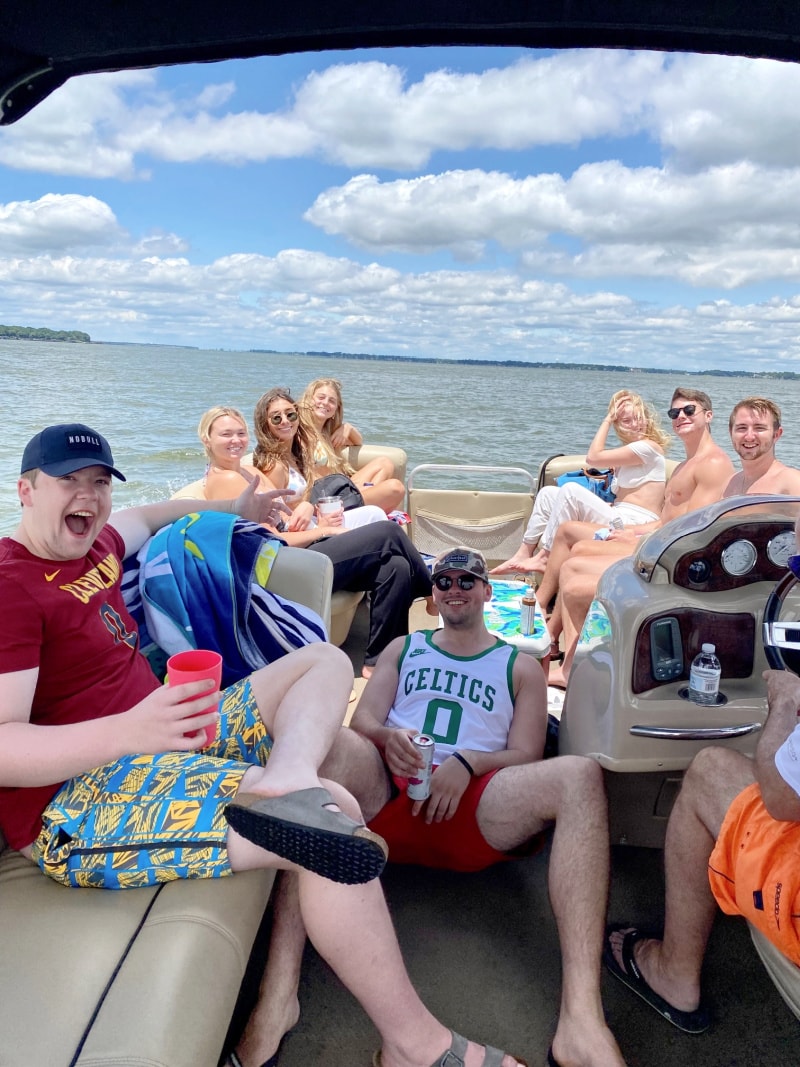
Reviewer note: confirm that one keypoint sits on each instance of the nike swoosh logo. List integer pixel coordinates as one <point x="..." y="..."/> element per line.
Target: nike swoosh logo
<point x="50" y="577"/>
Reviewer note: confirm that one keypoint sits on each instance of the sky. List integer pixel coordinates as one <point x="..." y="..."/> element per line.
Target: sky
<point x="590" y="206"/>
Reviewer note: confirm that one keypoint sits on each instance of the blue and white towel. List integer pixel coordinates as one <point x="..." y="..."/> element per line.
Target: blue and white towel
<point x="201" y="585"/>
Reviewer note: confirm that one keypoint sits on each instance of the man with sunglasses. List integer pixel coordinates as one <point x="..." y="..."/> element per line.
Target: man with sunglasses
<point x="755" y="427"/>
<point x="492" y="795"/>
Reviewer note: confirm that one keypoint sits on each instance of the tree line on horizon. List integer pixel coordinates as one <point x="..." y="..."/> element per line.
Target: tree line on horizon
<point x="41" y="333"/>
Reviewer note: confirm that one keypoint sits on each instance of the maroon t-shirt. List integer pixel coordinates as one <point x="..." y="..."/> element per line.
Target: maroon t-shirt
<point x="69" y="620"/>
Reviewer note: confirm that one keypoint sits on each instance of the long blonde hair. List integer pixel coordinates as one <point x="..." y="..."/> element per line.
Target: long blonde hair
<point x="207" y="420"/>
<point x="322" y="437"/>
<point x="645" y="413"/>
<point x="269" y="450"/>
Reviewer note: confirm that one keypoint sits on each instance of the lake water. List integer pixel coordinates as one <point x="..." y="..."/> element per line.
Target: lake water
<point x="147" y="400"/>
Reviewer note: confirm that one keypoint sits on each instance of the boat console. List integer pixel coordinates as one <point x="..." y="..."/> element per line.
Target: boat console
<point x="704" y="577"/>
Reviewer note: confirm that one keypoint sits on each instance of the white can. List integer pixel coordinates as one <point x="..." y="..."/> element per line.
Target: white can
<point x="420" y="788"/>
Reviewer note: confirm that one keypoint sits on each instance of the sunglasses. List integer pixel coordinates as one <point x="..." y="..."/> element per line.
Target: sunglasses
<point x="279" y="416"/>
<point x="687" y="409"/>
<point x="465" y="581"/>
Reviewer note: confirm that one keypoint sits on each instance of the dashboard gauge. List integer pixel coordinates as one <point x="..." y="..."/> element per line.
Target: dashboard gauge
<point x="739" y="558"/>
<point x="781" y="547"/>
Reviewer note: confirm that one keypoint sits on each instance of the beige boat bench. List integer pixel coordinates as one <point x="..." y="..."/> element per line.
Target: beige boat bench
<point x="552" y="468"/>
<point x="151" y="977"/>
<point x="343" y="604"/>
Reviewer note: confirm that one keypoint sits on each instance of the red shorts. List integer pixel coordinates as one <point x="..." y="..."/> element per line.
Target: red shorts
<point x="453" y="844"/>
<point x="753" y="871"/>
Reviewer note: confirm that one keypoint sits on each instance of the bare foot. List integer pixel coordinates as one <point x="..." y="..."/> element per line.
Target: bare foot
<point x="578" y="1043"/>
<point x="516" y="563"/>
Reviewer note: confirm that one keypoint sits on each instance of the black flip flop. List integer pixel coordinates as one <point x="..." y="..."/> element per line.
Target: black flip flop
<point x="691" y="1022"/>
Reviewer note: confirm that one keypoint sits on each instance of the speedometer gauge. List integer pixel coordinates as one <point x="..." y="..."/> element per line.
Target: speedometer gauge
<point x="739" y="558"/>
<point x="780" y="548"/>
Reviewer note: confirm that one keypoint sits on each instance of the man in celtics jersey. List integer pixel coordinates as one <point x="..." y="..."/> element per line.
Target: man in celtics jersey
<point x="492" y="795"/>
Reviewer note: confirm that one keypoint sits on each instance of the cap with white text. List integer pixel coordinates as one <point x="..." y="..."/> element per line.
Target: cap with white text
<point x="68" y="447"/>
<point x="461" y="559"/>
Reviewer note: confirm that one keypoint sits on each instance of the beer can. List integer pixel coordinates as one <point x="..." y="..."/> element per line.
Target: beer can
<point x="527" y="613"/>
<point x="420" y="788"/>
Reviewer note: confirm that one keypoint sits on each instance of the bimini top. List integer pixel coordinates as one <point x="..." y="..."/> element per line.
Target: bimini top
<point x="45" y="42"/>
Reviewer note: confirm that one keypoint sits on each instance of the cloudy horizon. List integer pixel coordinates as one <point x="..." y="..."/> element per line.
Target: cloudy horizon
<point x="606" y="207"/>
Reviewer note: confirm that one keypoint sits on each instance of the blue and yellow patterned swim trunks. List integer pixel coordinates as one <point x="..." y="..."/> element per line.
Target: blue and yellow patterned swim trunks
<point x="148" y="819"/>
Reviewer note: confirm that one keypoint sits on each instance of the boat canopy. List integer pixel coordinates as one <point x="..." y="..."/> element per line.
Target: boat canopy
<point x="45" y="42"/>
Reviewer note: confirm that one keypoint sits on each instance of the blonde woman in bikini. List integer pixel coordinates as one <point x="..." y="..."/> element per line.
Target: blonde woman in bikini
<point x="322" y="409"/>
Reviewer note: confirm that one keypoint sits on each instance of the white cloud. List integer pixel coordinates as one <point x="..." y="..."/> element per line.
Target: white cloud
<point x="307" y="300"/>
<point x="55" y="223"/>
<point x="701" y="109"/>
<point x="725" y="226"/>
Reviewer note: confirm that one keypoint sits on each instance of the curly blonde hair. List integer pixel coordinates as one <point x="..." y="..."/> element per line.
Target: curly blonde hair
<point x="269" y="450"/>
<point x="644" y="412"/>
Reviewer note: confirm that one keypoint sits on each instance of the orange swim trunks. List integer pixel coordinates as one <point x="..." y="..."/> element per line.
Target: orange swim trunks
<point x="754" y="871"/>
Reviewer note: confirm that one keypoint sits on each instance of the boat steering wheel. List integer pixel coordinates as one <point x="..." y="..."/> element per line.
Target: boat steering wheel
<point x="781" y="639"/>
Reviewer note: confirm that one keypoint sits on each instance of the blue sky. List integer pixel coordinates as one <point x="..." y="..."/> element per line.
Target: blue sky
<point x="578" y="206"/>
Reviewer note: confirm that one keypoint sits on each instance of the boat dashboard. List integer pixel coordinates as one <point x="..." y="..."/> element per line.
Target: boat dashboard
<point x="727" y="546"/>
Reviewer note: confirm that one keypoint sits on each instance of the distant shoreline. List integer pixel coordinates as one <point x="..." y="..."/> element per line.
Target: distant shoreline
<point x="612" y="368"/>
<point x="29" y="333"/>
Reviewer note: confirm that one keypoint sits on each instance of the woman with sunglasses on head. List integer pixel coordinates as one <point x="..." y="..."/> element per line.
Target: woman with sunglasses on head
<point x="283" y="456"/>
<point x="322" y="408"/>
<point x="638" y="483"/>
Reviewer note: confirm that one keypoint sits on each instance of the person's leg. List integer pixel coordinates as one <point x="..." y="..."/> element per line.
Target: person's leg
<point x="388" y="495"/>
<point x="375" y="472"/>
<point x="356" y="764"/>
<point x="672" y="966"/>
<point x="542" y="506"/>
<point x="567" y="536"/>
<point x="277" y="1008"/>
<point x="516" y="804"/>
<point x="575" y="502"/>
<point x="351" y="929"/>
<point x="357" y="517"/>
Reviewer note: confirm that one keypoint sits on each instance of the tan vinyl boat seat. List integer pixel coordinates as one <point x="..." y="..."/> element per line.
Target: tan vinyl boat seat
<point x="487" y="519"/>
<point x="92" y="977"/>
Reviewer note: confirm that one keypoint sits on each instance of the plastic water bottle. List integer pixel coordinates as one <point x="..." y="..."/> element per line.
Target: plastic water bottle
<point x="704" y="676"/>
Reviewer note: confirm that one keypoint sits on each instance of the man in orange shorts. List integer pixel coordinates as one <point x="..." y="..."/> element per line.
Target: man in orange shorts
<point x="733" y="839"/>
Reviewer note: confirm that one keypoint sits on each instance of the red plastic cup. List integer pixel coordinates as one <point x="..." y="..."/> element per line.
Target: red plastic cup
<point x="193" y="666"/>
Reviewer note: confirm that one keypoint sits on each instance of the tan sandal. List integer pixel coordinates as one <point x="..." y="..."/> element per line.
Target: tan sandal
<point x="300" y="828"/>
<point x="454" y="1055"/>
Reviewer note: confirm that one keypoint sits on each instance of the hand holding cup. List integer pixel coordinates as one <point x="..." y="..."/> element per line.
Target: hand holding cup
<point x="330" y="511"/>
<point x="195" y="665"/>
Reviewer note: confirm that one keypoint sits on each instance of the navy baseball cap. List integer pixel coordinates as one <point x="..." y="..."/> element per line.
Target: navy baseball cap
<point x="68" y="447"/>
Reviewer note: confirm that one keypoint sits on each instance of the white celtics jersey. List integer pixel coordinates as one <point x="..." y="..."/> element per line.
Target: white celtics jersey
<point x="462" y="702"/>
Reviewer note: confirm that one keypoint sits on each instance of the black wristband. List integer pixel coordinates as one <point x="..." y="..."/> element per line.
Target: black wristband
<point x="464" y="763"/>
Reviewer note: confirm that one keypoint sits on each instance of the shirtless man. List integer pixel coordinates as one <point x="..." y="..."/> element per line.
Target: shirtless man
<point x="699" y="480"/>
<point x="755" y="426"/>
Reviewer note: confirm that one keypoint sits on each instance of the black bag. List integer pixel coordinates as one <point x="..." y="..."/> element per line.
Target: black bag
<point x="338" y="485"/>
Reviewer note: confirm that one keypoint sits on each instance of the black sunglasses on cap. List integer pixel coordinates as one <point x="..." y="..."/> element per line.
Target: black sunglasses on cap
<point x="279" y="416"/>
<point x="687" y="409"/>
<point x="465" y="581"/>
